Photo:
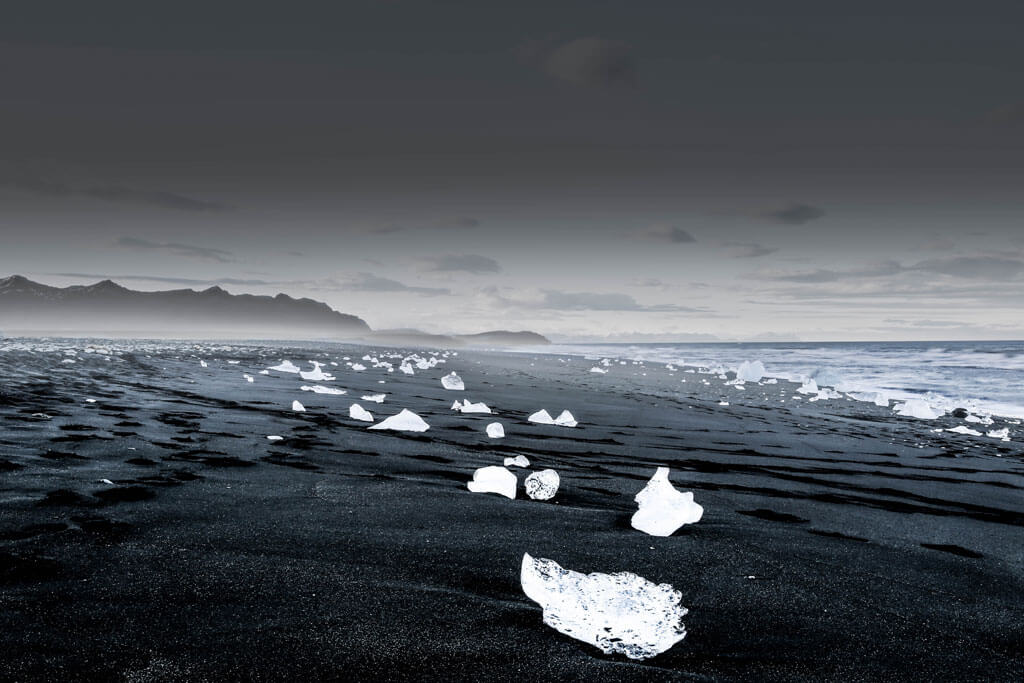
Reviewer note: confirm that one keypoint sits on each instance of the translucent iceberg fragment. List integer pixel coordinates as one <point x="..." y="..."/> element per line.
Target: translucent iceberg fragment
<point x="202" y="364"/>
<point x="320" y="389"/>
<point x="274" y="437"/>
<point x="298" y="407"/>
<point x="565" y="419"/>
<point x="468" y="407"/>
<point x="663" y="509"/>
<point x="619" y="613"/>
<point x="453" y="382"/>
<point x="495" y="430"/>
<point x="809" y="387"/>
<point x="1003" y="434"/>
<point x="916" y="407"/>
<point x="375" y="398"/>
<point x="542" y="417"/>
<point x="750" y="372"/>
<point x="405" y="421"/>
<point x="494" y="479"/>
<point x="357" y="412"/>
<point x="542" y="485"/>
<point x="518" y="461"/>
<point x="286" y="366"/>
<point x="599" y="371"/>
<point x="966" y="431"/>
<point x="316" y="374"/>
<point x="249" y="378"/>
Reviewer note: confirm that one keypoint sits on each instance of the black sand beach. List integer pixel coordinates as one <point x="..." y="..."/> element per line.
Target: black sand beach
<point x="839" y="542"/>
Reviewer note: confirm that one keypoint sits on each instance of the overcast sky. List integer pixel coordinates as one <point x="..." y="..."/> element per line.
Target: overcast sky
<point x="635" y="169"/>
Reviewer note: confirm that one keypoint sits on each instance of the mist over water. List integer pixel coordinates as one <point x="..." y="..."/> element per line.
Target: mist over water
<point x="984" y="376"/>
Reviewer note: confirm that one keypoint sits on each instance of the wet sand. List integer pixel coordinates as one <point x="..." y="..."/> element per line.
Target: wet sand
<point x="838" y="542"/>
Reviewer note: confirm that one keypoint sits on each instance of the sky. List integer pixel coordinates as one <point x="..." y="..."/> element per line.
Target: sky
<point x="588" y="170"/>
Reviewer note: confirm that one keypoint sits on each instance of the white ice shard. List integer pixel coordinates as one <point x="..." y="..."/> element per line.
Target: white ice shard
<point x="966" y="431"/>
<point x="494" y="479"/>
<point x="750" y="371"/>
<point x="264" y="372"/>
<point x="542" y="417"/>
<point x="663" y="509"/>
<point x="298" y="407"/>
<point x="453" y="382"/>
<point x="405" y="421"/>
<point x="495" y="430"/>
<point x="619" y="613"/>
<point x="320" y="389"/>
<point x="916" y="407"/>
<point x="249" y="378"/>
<point x="375" y="398"/>
<point x="457" y="405"/>
<point x="1003" y="434"/>
<point x="357" y="412"/>
<point x="599" y="371"/>
<point x="468" y="407"/>
<point x="406" y="368"/>
<point x="316" y="374"/>
<point x="542" y="485"/>
<point x="808" y="387"/>
<point x="274" y="437"/>
<point x="286" y="366"/>
<point x="566" y="419"/>
<point x="358" y="367"/>
<point x="202" y="364"/>
<point x="518" y="461"/>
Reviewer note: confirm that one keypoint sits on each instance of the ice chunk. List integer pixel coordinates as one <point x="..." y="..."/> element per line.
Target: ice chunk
<point x="320" y="389"/>
<point x="468" y="407"/>
<point x="457" y="405"/>
<point x="599" y="371"/>
<point x="495" y="430"/>
<point x="750" y="372"/>
<point x="203" y="364"/>
<point x="298" y="407"/>
<point x="316" y="374"/>
<point x="453" y="382"/>
<point x="542" y="417"/>
<point x="375" y="398"/>
<point x="542" y="485"/>
<point x="286" y="366"/>
<point x="249" y="378"/>
<point x="916" y="407"/>
<point x="966" y="431"/>
<point x="566" y="419"/>
<point x="619" y="613"/>
<point x="357" y="412"/>
<point x="518" y="461"/>
<point x="264" y="372"/>
<point x="405" y="421"/>
<point x="494" y="479"/>
<point x="809" y="387"/>
<point x="406" y="368"/>
<point x="274" y="437"/>
<point x="1003" y="434"/>
<point x="663" y="509"/>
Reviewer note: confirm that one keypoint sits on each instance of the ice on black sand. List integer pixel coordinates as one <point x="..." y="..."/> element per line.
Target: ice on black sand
<point x="494" y="479"/>
<point x="453" y="382"/>
<point x="405" y="421"/>
<point x="542" y="485"/>
<point x="663" y="509"/>
<point x="357" y="412"/>
<point x="619" y="613"/>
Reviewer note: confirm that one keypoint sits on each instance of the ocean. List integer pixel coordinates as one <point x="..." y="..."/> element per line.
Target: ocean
<point x="985" y="377"/>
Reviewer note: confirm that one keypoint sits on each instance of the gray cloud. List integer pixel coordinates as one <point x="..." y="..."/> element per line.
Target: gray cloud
<point x="165" y="200"/>
<point x="186" y="250"/>
<point x="967" y="267"/>
<point x="588" y="61"/>
<point x="172" y="280"/>
<point x="368" y="282"/>
<point x="594" y="301"/>
<point x="25" y="180"/>
<point x="461" y="263"/>
<point x="669" y="233"/>
<point x="794" y="214"/>
<point x="748" y="250"/>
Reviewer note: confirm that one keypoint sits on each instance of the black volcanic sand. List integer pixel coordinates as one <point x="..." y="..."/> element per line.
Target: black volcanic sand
<point x="838" y="541"/>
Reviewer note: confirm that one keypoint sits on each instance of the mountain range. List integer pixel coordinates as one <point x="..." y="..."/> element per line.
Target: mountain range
<point x="108" y="309"/>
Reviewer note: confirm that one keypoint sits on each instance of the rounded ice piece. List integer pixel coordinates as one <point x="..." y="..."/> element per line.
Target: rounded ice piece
<point x="916" y="407"/>
<point x="298" y="407"/>
<point x="494" y="479"/>
<point x="405" y="421"/>
<point x="375" y="398"/>
<point x="495" y="430"/>
<point x="286" y="366"/>
<point x="357" y="412"/>
<point x="453" y="382"/>
<point x="619" y="613"/>
<point x="468" y="407"/>
<point x="542" y="485"/>
<point x="663" y="509"/>
<point x="518" y="461"/>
